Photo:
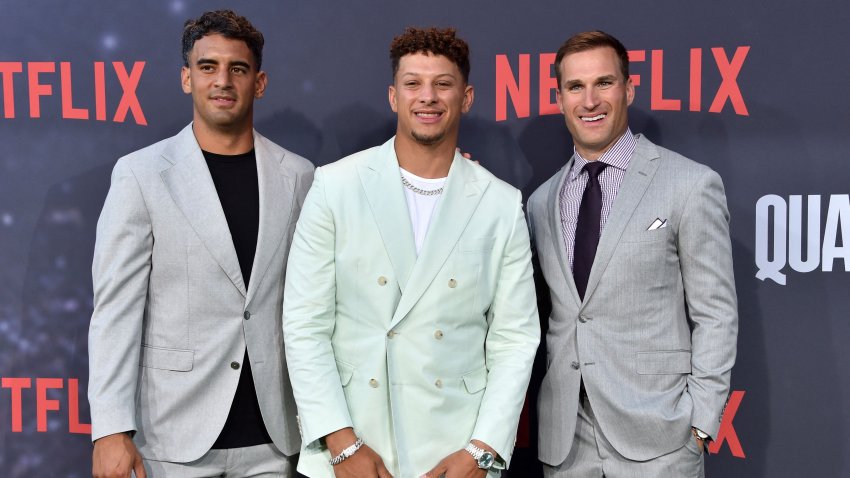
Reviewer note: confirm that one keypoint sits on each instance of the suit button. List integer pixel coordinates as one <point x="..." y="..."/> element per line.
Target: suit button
<point x="246" y="315"/>
<point x="373" y="383"/>
<point x="391" y="334"/>
<point x="234" y="365"/>
<point x="575" y="365"/>
<point x="438" y="334"/>
<point x="438" y="383"/>
<point x="452" y="283"/>
<point x="582" y="319"/>
<point x="382" y="280"/>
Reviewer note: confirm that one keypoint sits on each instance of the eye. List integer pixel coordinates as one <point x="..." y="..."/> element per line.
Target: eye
<point x="606" y="84"/>
<point x="444" y="84"/>
<point x="240" y="70"/>
<point x="206" y="67"/>
<point x="574" y="88"/>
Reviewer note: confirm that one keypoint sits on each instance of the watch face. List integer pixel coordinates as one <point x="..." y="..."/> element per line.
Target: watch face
<point x="486" y="460"/>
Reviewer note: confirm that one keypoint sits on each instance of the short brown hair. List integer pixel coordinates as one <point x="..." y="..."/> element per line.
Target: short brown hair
<point x="432" y="40"/>
<point x="590" y="41"/>
<point x="226" y="23"/>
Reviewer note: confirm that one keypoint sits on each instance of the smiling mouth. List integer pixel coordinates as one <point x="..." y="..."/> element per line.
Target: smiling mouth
<point x="591" y="119"/>
<point x="224" y="99"/>
<point x="428" y="114"/>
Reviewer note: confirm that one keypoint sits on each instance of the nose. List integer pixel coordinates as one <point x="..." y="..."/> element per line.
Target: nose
<point x="427" y="94"/>
<point x="223" y="78"/>
<point x="591" y="99"/>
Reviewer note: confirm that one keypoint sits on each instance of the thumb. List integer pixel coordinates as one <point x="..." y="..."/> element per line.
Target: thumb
<point x="435" y="472"/>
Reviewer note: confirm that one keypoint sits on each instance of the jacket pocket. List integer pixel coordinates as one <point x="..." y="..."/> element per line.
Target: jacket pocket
<point x="345" y="370"/>
<point x="178" y="360"/>
<point x="663" y="362"/>
<point x="477" y="244"/>
<point x="475" y="381"/>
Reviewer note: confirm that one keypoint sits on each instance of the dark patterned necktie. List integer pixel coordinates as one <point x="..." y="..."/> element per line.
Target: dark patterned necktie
<point x="587" y="226"/>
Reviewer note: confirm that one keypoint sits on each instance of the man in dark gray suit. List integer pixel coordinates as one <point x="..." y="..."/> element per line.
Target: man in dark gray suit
<point x="186" y="362"/>
<point x="633" y="242"/>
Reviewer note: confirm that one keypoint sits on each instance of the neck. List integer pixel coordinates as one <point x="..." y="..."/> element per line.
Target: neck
<point x="426" y="161"/>
<point x="227" y="142"/>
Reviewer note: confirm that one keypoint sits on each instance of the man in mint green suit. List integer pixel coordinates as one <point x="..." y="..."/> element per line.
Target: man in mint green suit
<point x="410" y="319"/>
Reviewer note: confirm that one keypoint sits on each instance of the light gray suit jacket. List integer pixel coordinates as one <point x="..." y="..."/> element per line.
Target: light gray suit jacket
<point x="655" y="337"/>
<point x="171" y="312"/>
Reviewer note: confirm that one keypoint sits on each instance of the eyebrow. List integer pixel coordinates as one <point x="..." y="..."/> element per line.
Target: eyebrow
<point x="210" y="61"/>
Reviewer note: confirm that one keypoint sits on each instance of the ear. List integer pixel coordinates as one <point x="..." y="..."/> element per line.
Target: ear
<point x="391" y="96"/>
<point x="260" y="84"/>
<point x="468" y="98"/>
<point x="558" y="100"/>
<point x="185" y="80"/>
<point x="630" y="91"/>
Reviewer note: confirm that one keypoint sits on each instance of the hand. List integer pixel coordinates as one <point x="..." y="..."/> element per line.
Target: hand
<point x="466" y="155"/>
<point x="115" y="456"/>
<point x="459" y="464"/>
<point x="700" y="443"/>
<point x="364" y="463"/>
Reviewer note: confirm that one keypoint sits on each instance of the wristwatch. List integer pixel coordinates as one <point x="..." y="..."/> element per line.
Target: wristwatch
<point x="484" y="458"/>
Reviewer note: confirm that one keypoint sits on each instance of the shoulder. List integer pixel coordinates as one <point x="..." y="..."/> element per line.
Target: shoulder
<point x="675" y="166"/>
<point x="292" y="161"/>
<point x="343" y="168"/>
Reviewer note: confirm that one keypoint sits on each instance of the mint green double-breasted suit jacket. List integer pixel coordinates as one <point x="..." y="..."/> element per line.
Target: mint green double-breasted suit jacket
<point x="418" y="354"/>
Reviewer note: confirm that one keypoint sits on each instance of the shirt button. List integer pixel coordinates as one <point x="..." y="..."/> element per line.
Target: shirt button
<point x="438" y="334"/>
<point x="452" y="283"/>
<point x="373" y="383"/>
<point x="246" y="315"/>
<point x="575" y="365"/>
<point x="391" y="334"/>
<point x="438" y="383"/>
<point x="234" y="365"/>
<point x="382" y="280"/>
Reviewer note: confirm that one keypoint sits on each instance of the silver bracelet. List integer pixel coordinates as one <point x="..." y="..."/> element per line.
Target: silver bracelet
<point x="347" y="452"/>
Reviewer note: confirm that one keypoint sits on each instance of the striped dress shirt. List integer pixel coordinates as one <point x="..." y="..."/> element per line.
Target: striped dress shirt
<point x="617" y="158"/>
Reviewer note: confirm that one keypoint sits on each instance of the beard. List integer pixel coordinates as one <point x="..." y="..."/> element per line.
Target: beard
<point x="427" y="140"/>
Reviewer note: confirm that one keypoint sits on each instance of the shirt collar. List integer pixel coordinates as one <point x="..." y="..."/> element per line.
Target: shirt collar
<point x="618" y="155"/>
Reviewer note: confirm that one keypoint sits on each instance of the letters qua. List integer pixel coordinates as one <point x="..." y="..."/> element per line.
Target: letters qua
<point x="785" y="238"/>
<point x="40" y="77"/>
<point x="514" y="77"/>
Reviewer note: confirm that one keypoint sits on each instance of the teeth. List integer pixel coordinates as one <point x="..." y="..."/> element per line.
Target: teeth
<point x="428" y="115"/>
<point x="598" y="117"/>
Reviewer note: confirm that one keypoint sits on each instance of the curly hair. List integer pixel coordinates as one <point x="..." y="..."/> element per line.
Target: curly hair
<point x="432" y="40"/>
<point x="226" y="23"/>
<point x="591" y="40"/>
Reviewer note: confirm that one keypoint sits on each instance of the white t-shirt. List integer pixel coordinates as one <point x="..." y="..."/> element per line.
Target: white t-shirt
<point x="420" y="206"/>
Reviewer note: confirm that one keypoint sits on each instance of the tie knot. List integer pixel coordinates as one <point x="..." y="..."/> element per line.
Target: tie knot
<point x="593" y="168"/>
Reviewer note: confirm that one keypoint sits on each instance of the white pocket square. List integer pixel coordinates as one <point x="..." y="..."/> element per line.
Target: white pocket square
<point x="657" y="224"/>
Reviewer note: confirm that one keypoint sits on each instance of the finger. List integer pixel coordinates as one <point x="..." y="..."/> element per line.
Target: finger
<point x="383" y="472"/>
<point x="139" y="468"/>
<point x="435" y="472"/>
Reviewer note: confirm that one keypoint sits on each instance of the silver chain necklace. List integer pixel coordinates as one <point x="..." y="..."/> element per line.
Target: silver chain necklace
<point x="422" y="192"/>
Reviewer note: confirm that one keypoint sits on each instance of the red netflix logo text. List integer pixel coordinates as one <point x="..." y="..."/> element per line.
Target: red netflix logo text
<point x="21" y="388"/>
<point x="37" y="73"/>
<point x="516" y="83"/>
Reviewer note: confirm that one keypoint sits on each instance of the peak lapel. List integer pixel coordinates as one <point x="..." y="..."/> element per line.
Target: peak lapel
<point x="381" y="183"/>
<point x="555" y="225"/>
<point x="192" y="189"/>
<point x="277" y="195"/>
<point x="461" y="195"/>
<point x="639" y="174"/>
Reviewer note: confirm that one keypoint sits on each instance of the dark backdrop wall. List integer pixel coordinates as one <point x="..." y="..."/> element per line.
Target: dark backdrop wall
<point x="756" y="91"/>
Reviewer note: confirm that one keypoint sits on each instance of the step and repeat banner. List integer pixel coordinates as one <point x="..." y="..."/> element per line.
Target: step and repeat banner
<point x="759" y="93"/>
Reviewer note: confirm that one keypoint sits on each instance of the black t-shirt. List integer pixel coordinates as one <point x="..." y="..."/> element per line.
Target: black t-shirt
<point x="235" y="179"/>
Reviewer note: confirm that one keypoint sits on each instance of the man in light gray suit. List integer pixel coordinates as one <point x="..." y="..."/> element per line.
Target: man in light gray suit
<point x="187" y="370"/>
<point x="633" y="242"/>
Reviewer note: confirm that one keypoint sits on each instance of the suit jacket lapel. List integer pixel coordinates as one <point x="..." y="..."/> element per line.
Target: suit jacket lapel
<point x="382" y="186"/>
<point x="461" y="195"/>
<point x="556" y="227"/>
<point x="192" y="189"/>
<point x="638" y="175"/>
<point x="277" y="195"/>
